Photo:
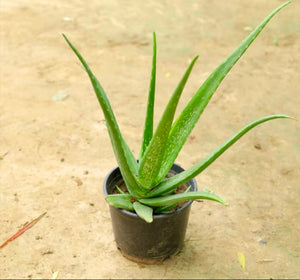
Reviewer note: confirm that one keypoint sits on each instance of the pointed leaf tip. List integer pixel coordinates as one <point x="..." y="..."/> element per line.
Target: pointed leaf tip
<point x="148" y="126"/>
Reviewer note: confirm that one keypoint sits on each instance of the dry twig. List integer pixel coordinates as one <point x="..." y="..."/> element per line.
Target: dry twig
<point x="22" y="230"/>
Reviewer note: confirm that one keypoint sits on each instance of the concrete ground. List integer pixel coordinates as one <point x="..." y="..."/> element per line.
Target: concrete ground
<point x="56" y="151"/>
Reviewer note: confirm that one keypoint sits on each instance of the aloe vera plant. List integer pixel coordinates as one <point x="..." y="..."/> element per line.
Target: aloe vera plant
<point x="145" y="179"/>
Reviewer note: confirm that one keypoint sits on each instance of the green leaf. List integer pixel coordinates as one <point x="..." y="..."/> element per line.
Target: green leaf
<point x="119" y="190"/>
<point x="120" y="200"/>
<point x="148" y="129"/>
<point x="164" y="209"/>
<point x="173" y="182"/>
<point x="192" y="112"/>
<point x="126" y="161"/>
<point x="143" y="211"/>
<point x="176" y="198"/>
<point x="150" y="164"/>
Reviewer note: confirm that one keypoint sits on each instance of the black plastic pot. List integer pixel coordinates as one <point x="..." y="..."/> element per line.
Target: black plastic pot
<point x="148" y="242"/>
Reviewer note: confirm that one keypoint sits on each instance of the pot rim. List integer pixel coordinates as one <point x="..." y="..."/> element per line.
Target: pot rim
<point x="155" y="216"/>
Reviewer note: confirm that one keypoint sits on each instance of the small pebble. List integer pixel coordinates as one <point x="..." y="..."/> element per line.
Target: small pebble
<point x="67" y="18"/>
<point x="263" y="241"/>
<point x="257" y="146"/>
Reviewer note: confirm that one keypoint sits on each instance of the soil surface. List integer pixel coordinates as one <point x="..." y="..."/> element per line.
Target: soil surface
<point x="56" y="151"/>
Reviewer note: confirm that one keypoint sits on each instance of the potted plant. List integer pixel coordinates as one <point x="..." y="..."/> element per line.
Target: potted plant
<point x="150" y="198"/>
